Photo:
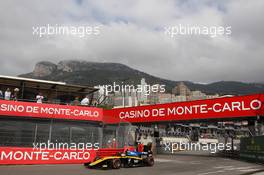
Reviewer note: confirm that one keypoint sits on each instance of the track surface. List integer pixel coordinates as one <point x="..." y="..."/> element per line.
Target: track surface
<point x="165" y="165"/>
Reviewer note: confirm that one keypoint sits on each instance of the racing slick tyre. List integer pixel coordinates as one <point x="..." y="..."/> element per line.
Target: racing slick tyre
<point x="149" y="161"/>
<point x="116" y="163"/>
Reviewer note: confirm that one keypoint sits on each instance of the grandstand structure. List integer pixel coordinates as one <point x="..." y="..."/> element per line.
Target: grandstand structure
<point x="53" y="91"/>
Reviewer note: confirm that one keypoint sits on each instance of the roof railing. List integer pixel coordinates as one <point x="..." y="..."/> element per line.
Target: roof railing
<point x="54" y="101"/>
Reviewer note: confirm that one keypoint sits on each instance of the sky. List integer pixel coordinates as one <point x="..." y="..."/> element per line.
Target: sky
<point x="132" y="32"/>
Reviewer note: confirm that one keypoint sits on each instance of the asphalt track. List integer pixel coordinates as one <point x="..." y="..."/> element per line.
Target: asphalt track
<point x="164" y="165"/>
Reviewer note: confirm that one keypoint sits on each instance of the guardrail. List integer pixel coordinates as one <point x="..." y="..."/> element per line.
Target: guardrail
<point x="48" y="102"/>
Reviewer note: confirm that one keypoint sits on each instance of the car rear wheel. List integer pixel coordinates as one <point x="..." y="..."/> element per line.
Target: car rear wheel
<point x="116" y="164"/>
<point x="149" y="161"/>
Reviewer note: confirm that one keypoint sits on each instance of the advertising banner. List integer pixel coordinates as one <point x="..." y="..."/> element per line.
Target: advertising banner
<point x="228" y="107"/>
<point x="26" y="109"/>
<point x="17" y="155"/>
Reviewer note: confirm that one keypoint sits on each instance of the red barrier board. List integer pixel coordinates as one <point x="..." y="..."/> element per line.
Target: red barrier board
<point x="17" y="155"/>
<point x="228" y="107"/>
<point x="26" y="109"/>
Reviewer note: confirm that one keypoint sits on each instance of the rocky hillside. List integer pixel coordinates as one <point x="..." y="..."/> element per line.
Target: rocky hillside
<point x="94" y="73"/>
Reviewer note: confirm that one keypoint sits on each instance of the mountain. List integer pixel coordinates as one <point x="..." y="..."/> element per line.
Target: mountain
<point x="94" y="73"/>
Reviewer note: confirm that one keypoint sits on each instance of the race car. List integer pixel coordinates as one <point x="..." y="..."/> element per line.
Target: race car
<point x="125" y="159"/>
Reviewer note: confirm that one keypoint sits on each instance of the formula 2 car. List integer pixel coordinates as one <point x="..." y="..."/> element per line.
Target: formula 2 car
<point x="125" y="159"/>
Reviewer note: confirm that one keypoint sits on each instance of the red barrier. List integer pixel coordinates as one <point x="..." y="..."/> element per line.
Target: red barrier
<point x="20" y="155"/>
<point x="104" y="152"/>
<point x="26" y="109"/>
<point x="229" y="107"/>
<point x="17" y="155"/>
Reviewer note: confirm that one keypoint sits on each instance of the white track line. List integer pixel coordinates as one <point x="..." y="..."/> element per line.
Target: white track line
<point x="212" y="172"/>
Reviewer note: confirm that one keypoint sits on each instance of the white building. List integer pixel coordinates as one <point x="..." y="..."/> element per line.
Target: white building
<point x="143" y="95"/>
